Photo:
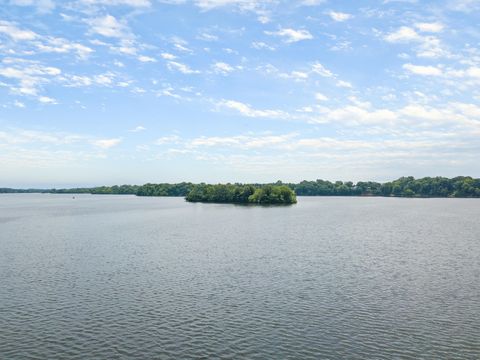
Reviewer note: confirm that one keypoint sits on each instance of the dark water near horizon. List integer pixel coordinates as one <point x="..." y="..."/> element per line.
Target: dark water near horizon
<point x="123" y="277"/>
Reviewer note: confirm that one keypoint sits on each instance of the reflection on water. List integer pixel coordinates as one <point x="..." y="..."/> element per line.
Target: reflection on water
<point x="128" y="277"/>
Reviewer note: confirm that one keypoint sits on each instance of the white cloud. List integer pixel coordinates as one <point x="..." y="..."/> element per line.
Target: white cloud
<point x="295" y="75"/>
<point x="44" y="43"/>
<point x="467" y="6"/>
<point x="144" y="58"/>
<point x="357" y="115"/>
<point x="19" y="104"/>
<point x="291" y="35"/>
<point x="47" y="100"/>
<point x="15" y="33"/>
<point x="222" y="68"/>
<point x="344" y="84"/>
<point x="302" y="75"/>
<point x="430" y="27"/>
<point x="170" y="139"/>
<point x="244" y="5"/>
<point x="473" y="72"/>
<point x="180" y="44"/>
<point x="126" y="46"/>
<point x="427" y="46"/>
<point x="320" y="97"/>
<point x="138" y="90"/>
<point x="247" y="110"/>
<point x="107" y="26"/>
<point x="339" y="16"/>
<point x="43" y="6"/>
<point x="431" y="47"/>
<point x="104" y="79"/>
<point x="342" y="46"/>
<point x="421" y="112"/>
<point x="321" y="70"/>
<point x="29" y="77"/>
<point x="264" y="19"/>
<point x="207" y="37"/>
<point x="312" y="2"/>
<point x="182" y="47"/>
<point x="133" y="3"/>
<point x="107" y="143"/>
<point x="400" y="1"/>
<point x="245" y="142"/>
<point x="261" y="45"/>
<point x="22" y="136"/>
<point x="258" y="7"/>
<point x="60" y="45"/>
<point x="138" y="129"/>
<point x="404" y="34"/>
<point x="423" y="70"/>
<point x="184" y="69"/>
<point x="168" y="56"/>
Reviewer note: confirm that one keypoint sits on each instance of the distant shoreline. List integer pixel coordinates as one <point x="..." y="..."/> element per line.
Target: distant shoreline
<point x="409" y="187"/>
<point x="247" y="204"/>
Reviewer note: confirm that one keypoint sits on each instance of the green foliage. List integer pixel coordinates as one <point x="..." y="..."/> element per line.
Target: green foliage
<point x="100" y="190"/>
<point x="273" y="194"/>
<point x="180" y="189"/>
<point x="242" y="194"/>
<point x="460" y="186"/>
<point x="403" y="187"/>
<point x="22" y="191"/>
<point x="339" y="188"/>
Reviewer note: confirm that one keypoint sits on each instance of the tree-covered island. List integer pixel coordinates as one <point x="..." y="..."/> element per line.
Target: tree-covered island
<point x="242" y="194"/>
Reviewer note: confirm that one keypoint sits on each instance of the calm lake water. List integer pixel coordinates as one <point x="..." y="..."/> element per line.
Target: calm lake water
<point x="123" y="277"/>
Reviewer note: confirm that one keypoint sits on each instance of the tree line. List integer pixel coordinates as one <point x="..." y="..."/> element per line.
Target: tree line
<point x="460" y="186"/>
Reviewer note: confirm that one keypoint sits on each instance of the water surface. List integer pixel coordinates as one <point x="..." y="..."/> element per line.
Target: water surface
<point x="124" y="277"/>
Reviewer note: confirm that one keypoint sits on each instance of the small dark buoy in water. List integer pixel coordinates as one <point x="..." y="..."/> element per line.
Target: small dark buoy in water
<point x="73" y="197"/>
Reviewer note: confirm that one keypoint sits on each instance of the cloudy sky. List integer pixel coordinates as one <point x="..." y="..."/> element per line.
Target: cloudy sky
<point x="99" y="92"/>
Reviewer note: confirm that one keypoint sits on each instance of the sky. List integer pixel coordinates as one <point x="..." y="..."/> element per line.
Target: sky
<point x="103" y="92"/>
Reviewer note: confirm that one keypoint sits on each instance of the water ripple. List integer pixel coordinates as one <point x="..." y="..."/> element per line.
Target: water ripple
<point x="330" y="278"/>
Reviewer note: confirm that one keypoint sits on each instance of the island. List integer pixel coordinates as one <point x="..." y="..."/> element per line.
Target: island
<point x="242" y="194"/>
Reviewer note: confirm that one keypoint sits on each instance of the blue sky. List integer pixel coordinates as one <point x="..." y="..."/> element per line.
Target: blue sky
<point x="99" y="92"/>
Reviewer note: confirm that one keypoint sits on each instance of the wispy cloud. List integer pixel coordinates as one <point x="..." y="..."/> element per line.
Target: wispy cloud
<point x="108" y="26"/>
<point x="339" y="16"/>
<point x="222" y="68"/>
<point x="291" y="35"/>
<point x="248" y="111"/>
<point x="423" y="70"/>
<point x="133" y="3"/>
<point x="42" y="6"/>
<point x="183" y="68"/>
<point x="139" y="128"/>
<point x="434" y="27"/>
<point x="144" y="58"/>
<point x="15" y="33"/>
<point x="107" y="143"/>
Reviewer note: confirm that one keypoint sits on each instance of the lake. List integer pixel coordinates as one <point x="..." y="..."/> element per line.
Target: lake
<point x="124" y="277"/>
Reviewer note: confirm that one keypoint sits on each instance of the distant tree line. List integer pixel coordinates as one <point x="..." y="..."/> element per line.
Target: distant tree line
<point x="242" y="194"/>
<point x="461" y="186"/>
<point x="16" y="191"/>
<point x="180" y="189"/>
